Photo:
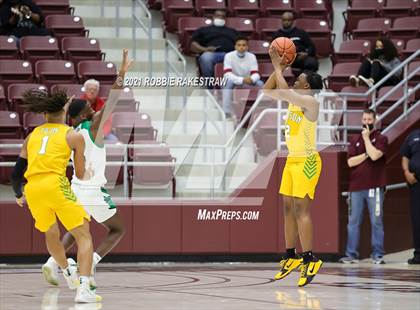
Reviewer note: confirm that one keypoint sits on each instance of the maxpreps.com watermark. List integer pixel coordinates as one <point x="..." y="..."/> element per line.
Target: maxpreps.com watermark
<point x="175" y="82"/>
<point x="223" y="215"/>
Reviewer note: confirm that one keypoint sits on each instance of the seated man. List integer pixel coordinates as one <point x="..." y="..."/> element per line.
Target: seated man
<point x="213" y="42"/>
<point x="240" y="67"/>
<point x="305" y="48"/>
<point x="26" y="19"/>
<point x="91" y="88"/>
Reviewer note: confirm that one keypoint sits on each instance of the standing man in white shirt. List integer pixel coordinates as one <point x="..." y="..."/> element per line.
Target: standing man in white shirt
<point x="240" y="67"/>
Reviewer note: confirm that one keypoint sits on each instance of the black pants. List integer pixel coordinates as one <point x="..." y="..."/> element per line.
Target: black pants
<point x="20" y="32"/>
<point x="306" y="63"/>
<point x="375" y="71"/>
<point x="415" y="216"/>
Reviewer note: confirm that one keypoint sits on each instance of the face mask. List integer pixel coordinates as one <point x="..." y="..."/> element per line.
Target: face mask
<point x="240" y="54"/>
<point x="370" y="126"/>
<point x="219" y="22"/>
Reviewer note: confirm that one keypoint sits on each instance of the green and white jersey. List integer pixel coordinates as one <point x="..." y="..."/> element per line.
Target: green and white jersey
<point x="95" y="157"/>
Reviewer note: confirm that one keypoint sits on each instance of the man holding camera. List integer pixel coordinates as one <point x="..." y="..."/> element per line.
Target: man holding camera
<point x="366" y="158"/>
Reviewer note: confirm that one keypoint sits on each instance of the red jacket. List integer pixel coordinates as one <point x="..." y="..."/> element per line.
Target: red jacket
<point x="99" y="103"/>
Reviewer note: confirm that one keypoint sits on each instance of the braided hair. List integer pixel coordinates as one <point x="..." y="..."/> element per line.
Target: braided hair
<point x="39" y="101"/>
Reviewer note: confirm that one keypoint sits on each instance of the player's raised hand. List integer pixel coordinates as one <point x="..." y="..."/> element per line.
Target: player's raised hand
<point x="126" y="62"/>
<point x="278" y="61"/>
<point x="66" y="106"/>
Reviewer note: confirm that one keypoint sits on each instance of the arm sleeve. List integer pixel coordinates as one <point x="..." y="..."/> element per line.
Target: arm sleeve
<point x="255" y="76"/>
<point x="405" y="149"/>
<point x="17" y="175"/>
<point x="309" y="45"/>
<point x="382" y="144"/>
<point x="351" y="151"/>
<point x="389" y="66"/>
<point x="227" y="71"/>
<point x="197" y="36"/>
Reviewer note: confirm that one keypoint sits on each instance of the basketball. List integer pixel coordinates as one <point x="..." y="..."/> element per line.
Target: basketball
<point x="286" y="47"/>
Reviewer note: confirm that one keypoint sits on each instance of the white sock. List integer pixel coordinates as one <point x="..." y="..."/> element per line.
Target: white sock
<point x="96" y="258"/>
<point x="84" y="280"/>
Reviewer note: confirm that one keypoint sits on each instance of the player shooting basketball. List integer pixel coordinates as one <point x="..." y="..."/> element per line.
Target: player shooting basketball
<point x="303" y="164"/>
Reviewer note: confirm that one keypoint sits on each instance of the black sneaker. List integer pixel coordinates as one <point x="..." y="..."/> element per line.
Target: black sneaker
<point x="414" y="261"/>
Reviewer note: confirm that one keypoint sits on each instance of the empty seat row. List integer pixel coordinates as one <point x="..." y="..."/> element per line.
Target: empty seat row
<point x="264" y="29"/>
<point x="49" y="72"/>
<point x="172" y="10"/>
<point x="404" y="28"/>
<point x="34" y="48"/>
<point x="360" y="9"/>
<point x="51" y="7"/>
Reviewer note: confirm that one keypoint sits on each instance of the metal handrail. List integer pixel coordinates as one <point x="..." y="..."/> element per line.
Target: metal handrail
<point x="390" y="126"/>
<point x="387" y="188"/>
<point x="147" y="29"/>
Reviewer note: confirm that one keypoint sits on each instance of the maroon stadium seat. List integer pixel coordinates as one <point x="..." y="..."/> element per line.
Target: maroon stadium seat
<point x="266" y="27"/>
<point x="405" y="28"/>
<point x="260" y="49"/>
<point x="320" y="34"/>
<point x="416" y="79"/>
<point x="34" y="48"/>
<point x="65" y="25"/>
<point x="10" y="127"/>
<point x="172" y="10"/>
<point x="186" y="26"/>
<point x="207" y="7"/>
<point x="355" y="102"/>
<point x="15" y="71"/>
<point x="390" y="100"/>
<point x="399" y="45"/>
<point x="339" y="76"/>
<point x="399" y="8"/>
<point x="8" y="48"/>
<point x="76" y="49"/>
<point x="244" y="8"/>
<point x="126" y="100"/>
<point x="265" y="137"/>
<point x="129" y="126"/>
<point x="243" y="25"/>
<point x="49" y="72"/>
<point x="10" y="155"/>
<point x="51" y="7"/>
<point x="32" y="120"/>
<point x="313" y="9"/>
<point x="361" y="9"/>
<point x="70" y="89"/>
<point x="3" y="103"/>
<point x="371" y="28"/>
<point x="412" y="46"/>
<point x="162" y="176"/>
<point x="266" y="69"/>
<point x="15" y="95"/>
<point x="352" y="50"/>
<point x="104" y="72"/>
<point x="275" y="8"/>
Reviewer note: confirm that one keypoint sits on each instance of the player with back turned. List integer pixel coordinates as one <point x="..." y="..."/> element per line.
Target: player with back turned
<point x="303" y="164"/>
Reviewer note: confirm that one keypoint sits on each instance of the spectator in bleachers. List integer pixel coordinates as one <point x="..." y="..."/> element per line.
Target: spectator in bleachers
<point x="4" y="17"/>
<point x="213" y="42"/>
<point x="305" y="48"/>
<point x="383" y="59"/>
<point x="366" y="158"/>
<point x="26" y="19"/>
<point x="410" y="152"/>
<point x="240" y="67"/>
<point x="91" y="95"/>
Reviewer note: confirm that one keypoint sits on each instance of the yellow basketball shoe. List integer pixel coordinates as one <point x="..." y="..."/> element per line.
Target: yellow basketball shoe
<point x="287" y="265"/>
<point x="308" y="272"/>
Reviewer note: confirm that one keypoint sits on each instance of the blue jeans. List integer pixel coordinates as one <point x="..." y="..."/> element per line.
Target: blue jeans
<point x="374" y="199"/>
<point x="207" y="61"/>
<point x="227" y="94"/>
